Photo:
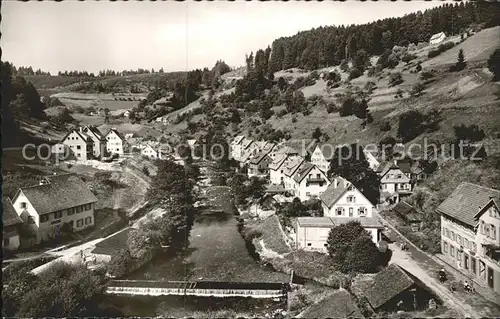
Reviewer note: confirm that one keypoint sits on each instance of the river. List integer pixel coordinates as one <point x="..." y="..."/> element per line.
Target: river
<point x="215" y="251"/>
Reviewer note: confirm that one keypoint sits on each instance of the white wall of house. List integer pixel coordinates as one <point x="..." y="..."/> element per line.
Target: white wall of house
<point x="305" y="190"/>
<point x="372" y="161"/>
<point x="312" y="238"/>
<point x="352" y="204"/>
<point x="78" y="146"/>
<point x="114" y="143"/>
<point x="148" y="151"/>
<point x="10" y="242"/>
<point x="463" y="247"/>
<point x="97" y="144"/>
<point x="394" y="181"/>
<point x="319" y="160"/>
<point x="276" y="175"/>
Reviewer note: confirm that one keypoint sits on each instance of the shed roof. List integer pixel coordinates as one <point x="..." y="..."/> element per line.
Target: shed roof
<point x="408" y="212"/>
<point x="467" y="200"/>
<point x="278" y="161"/>
<point x="291" y="165"/>
<point x="340" y="304"/>
<point x="315" y="222"/>
<point x="61" y="192"/>
<point x="112" y="244"/>
<point x="9" y="215"/>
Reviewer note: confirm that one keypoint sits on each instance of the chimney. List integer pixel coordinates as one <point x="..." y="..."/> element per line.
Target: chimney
<point x="81" y="129"/>
<point x="43" y="181"/>
<point x="395" y="162"/>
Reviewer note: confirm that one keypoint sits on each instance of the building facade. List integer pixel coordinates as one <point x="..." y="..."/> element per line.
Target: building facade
<point x="470" y="233"/>
<point x="79" y="144"/>
<point x="394" y="184"/>
<point x="276" y="169"/>
<point x="11" y="226"/>
<point x="114" y="142"/>
<point x="309" y="182"/>
<point x="99" y="143"/>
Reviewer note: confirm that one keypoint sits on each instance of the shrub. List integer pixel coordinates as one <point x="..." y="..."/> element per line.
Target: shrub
<point x="494" y="64"/>
<point x="314" y="75"/>
<point x="408" y="57"/>
<point x="418" y="68"/>
<point x="331" y="108"/>
<point x="294" y="119"/>
<point x="385" y="127"/>
<point x="395" y="79"/>
<point x="355" y="73"/>
<point x="417" y="89"/>
<point x="371" y="71"/>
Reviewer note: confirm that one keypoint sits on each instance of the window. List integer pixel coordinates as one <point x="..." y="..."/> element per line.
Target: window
<point x="23" y="204"/>
<point x="44" y="218"/>
<point x="447" y="232"/>
<point x="482" y="269"/>
<point x="6" y="241"/>
<point x="473" y="247"/>
<point x="452" y="251"/>
<point x="460" y="241"/>
<point x="473" y="265"/>
<point x="339" y="211"/>
<point x="308" y="244"/>
<point x="58" y="215"/>
<point x="361" y="211"/>
<point x="31" y="220"/>
<point x="78" y="147"/>
<point x="453" y="236"/>
<point x="88" y="220"/>
<point x="71" y="211"/>
<point x="445" y="247"/>
<point x="493" y="231"/>
<point x="466" y="243"/>
<point x="482" y="227"/>
<point x="466" y="261"/>
<point x="487" y="229"/>
<point x="351" y="199"/>
<point x="79" y="223"/>
<point x="325" y="245"/>
<point x="350" y="188"/>
<point x="351" y="212"/>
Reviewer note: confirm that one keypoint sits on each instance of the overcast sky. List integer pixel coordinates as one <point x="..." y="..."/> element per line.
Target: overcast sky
<point x="177" y="36"/>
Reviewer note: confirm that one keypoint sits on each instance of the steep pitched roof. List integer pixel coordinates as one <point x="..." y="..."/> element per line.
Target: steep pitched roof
<point x="258" y="157"/>
<point x="387" y="284"/>
<point x="83" y="136"/>
<point x="278" y="161"/>
<point x="340" y="304"/>
<point x="291" y="165"/>
<point x="61" y="192"/>
<point x="237" y="140"/>
<point x="466" y="201"/>
<point x="407" y="211"/>
<point x="315" y="222"/>
<point x="333" y="193"/>
<point x="93" y="129"/>
<point x="9" y="215"/>
<point x="116" y="132"/>
<point x="369" y="222"/>
<point x="302" y="172"/>
<point x="437" y="35"/>
<point x="246" y="143"/>
<point x="266" y="146"/>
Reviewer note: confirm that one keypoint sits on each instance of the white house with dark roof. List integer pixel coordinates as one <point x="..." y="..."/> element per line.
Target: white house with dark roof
<point x="312" y="233"/>
<point x="309" y="181"/>
<point x="57" y="200"/>
<point x="11" y="226"/>
<point x="79" y="144"/>
<point x="114" y="142"/>
<point x="276" y="169"/>
<point x="394" y="183"/>
<point x="470" y="233"/>
<point x="259" y="164"/>
<point x="437" y="38"/>
<point x="371" y="159"/>
<point x="236" y="147"/>
<point x="290" y="167"/>
<point x="322" y="155"/>
<point x="98" y="140"/>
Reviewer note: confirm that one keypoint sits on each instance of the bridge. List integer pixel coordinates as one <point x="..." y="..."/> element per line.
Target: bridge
<point x="199" y="288"/>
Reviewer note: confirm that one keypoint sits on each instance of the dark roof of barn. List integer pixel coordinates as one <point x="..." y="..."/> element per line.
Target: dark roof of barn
<point x="112" y="244"/>
<point x="340" y="304"/>
<point x="388" y="284"/>
<point x="332" y="194"/>
<point x="9" y="215"/>
<point x="61" y="192"/>
<point x="408" y="212"/>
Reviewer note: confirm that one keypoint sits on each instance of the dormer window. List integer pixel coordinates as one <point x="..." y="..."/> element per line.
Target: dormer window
<point x="23" y="205"/>
<point x="350" y="188"/>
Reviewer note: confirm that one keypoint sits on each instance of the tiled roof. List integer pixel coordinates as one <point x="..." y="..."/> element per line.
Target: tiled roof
<point x="302" y="172"/>
<point x="315" y="222"/>
<point x="266" y="146"/>
<point x="388" y="284"/>
<point x="405" y="167"/>
<point x="112" y="244"/>
<point x="291" y="165"/>
<point x="237" y="140"/>
<point x="95" y="130"/>
<point x="407" y="211"/>
<point x="340" y="304"/>
<point x="62" y="192"/>
<point x="116" y="132"/>
<point x="84" y="136"/>
<point x="258" y="157"/>
<point x="332" y="194"/>
<point x="246" y="143"/>
<point x="286" y="150"/>
<point x="437" y="35"/>
<point x="278" y="161"/>
<point x="466" y="201"/>
<point x="275" y="189"/>
<point x="371" y="222"/>
<point x="9" y="215"/>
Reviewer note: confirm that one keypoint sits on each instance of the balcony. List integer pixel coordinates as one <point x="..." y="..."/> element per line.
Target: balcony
<point x="315" y="180"/>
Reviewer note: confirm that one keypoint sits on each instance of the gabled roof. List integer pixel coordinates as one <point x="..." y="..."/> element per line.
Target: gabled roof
<point x="93" y="129"/>
<point x="467" y="201"/>
<point x="291" y="165"/>
<point x="116" y="132"/>
<point x="258" y="157"/>
<point x="437" y="35"/>
<point x="265" y="146"/>
<point x="237" y="140"/>
<point x="340" y="304"/>
<point x="9" y="215"/>
<point x="246" y="143"/>
<point x="366" y="222"/>
<point x="82" y="135"/>
<point x="315" y="222"/>
<point x="61" y="192"/>
<point x="408" y="212"/>
<point x="334" y="192"/>
<point x="112" y="244"/>
<point x="388" y="284"/>
<point x="302" y="172"/>
<point x="278" y="161"/>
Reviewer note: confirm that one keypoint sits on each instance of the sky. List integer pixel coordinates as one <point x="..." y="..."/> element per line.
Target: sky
<point x="178" y="36"/>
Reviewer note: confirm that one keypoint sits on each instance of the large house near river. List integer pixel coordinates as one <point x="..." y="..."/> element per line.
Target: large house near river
<point x="470" y="233"/>
<point x="56" y="201"/>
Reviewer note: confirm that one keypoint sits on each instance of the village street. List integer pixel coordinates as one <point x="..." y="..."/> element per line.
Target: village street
<point x="425" y="268"/>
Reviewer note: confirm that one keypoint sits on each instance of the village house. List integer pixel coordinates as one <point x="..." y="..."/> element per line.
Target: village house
<point x="110" y="246"/>
<point x="372" y="160"/>
<point x="128" y="136"/>
<point x="152" y="152"/>
<point x="259" y="165"/>
<point x="12" y="224"/>
<point x="289" y="168"/>
<point x="276" y="170"/>
<point x="265" y="146"/>
<point x="409" y="215"/>
<point x="394" y="184"/>
<point x="126" y="113"/>
<point x="470" y="233"/>
<point x="343" y="202"/>
<point x="79" y="144"/>
<point x="98" y="140"/>
<point x="236" y="145"/>
<point x="322" y="156"/>
<point x="114" y="142"/>
<point x="56" y="201"/>
<point x="437" y="38"/>
<point x="340" y="304"/>
<point x="282" y="149"/>
<point x="309" y="181"/>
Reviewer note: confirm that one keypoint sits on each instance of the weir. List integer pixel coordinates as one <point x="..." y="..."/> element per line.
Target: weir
<point x="198" y="288"/>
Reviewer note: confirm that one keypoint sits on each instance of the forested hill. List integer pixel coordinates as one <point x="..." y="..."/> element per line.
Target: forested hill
<point x="328" y="46"/>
